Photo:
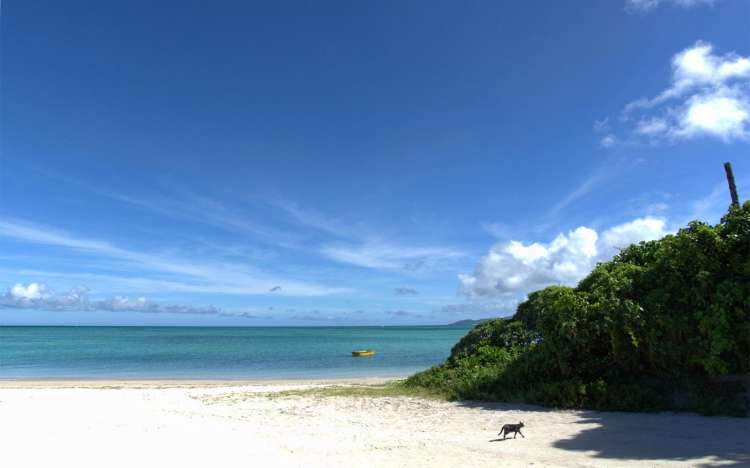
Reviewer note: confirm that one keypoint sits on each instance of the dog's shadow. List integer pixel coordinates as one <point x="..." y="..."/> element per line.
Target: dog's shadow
<point x="499" y="440"/>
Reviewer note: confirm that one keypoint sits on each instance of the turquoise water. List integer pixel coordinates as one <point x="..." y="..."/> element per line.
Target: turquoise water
<point x="219" y="353"/>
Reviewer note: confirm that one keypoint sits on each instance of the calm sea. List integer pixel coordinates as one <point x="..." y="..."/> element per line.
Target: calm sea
<point x="219" y="353"/>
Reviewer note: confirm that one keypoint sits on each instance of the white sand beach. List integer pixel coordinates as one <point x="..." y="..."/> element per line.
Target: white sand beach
<point x="243" y="424"/>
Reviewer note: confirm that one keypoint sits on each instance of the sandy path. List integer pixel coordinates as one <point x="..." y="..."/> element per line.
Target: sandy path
<point x="228" y="425"/>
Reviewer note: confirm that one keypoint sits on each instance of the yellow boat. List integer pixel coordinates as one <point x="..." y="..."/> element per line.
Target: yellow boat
<point x="363" y="352"/>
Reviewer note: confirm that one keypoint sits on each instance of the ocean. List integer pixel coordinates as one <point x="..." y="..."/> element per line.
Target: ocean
<point x="220" y="353"/>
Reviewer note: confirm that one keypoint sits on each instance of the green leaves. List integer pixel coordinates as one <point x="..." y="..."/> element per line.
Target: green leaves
<point x="661" y="312"/>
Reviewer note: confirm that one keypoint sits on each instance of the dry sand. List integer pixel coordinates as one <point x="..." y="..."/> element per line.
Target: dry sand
<point x="233" y="424"/>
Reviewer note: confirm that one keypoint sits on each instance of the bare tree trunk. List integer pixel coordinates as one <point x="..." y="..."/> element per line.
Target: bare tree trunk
<point x="732" y="187"/>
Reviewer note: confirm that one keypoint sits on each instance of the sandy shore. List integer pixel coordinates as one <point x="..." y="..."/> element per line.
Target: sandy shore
<point x="232" y="424"/>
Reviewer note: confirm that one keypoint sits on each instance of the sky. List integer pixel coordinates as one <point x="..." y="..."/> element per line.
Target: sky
<point x="351" y="163"/>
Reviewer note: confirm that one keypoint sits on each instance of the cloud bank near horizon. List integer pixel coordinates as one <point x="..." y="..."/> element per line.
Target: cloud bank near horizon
<point x="39" y="296"/>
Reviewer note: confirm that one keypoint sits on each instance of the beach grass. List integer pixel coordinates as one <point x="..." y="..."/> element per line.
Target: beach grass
<point x="394" y="388"/>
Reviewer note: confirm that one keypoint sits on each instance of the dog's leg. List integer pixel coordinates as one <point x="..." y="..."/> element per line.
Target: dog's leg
<point x="522" y="434"/>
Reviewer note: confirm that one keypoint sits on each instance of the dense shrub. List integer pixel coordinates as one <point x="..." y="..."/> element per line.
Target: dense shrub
<point x="651" y="329"/>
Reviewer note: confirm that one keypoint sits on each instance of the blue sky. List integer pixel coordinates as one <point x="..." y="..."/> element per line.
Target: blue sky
<point x="332" y="163"/>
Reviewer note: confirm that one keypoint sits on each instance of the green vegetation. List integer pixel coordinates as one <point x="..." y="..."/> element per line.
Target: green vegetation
<point x="395" y="388"/>
<point x="663" y="325"/>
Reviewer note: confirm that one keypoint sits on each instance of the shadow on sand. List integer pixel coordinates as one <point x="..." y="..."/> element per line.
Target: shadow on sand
<point x="613" y="436"/>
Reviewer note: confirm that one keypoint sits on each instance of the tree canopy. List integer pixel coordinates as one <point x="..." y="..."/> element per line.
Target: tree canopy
<point x="654" y="328"/>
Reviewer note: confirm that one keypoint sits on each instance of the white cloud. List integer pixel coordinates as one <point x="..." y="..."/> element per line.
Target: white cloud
<point x="31" y="292"/>
<point x="39" y="296"/>
<point x="646" y="5"/>
<point x="618" y="237"/>
<point x="513" y="269"/>
<point x="709" y="96"/>
<point x="724" y="114"/>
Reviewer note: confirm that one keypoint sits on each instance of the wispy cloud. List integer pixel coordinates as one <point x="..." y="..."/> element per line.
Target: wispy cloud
<point x="349" y="243"/>
<point x="198" y="276"/>
<point x="583" y="189"/>
<point x="353" y="241"/>
<point x="360" y="247"/>
<point x="497" y="230"/>
<point x="383" y="256"/>
<point x="318" y="221"/>
<point x="604" y="128"/>
<point x="648" y="5"/>
<point x="405" y="292"/>
<point x="179" y="203"/>
<point x="199" y="209"/>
